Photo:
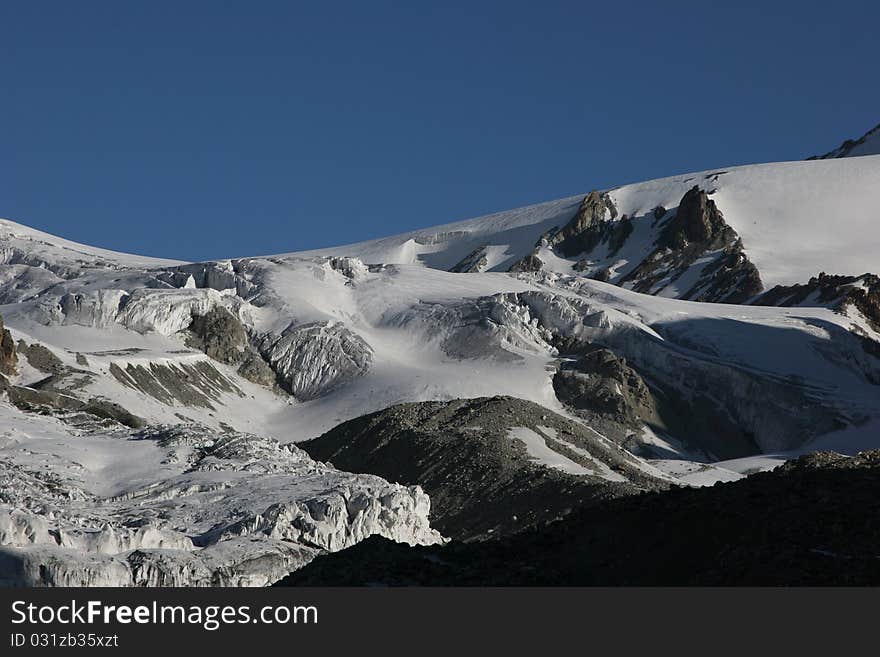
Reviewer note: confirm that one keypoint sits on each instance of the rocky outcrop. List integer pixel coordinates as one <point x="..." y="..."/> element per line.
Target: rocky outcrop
<point x="256" y="370"/>
<point x="8" y="355"/>
<point x="223" y="337"/>
<point x="591" y="224"/>
<point x="729" y="278"/>
<point x="602" y="388"/>
<point x="41" y="357"/>
<point x="694" y="254"/>
<point x="837" y="292"/>
<point x="697" y="233"/>
<point x="529" y="263"/>
<point x="475" y="261"/>
<point x="482" y="480"/>
<point x="220" y="335"/>
<point x="697" y="220"/>
<point x="312" y="359"/>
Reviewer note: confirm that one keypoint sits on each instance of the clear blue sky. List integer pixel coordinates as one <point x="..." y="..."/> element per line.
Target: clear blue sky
<point x="200" y="130"/>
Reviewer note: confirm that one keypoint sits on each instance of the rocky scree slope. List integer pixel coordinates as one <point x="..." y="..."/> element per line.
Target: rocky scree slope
<point x="492" y="465"/>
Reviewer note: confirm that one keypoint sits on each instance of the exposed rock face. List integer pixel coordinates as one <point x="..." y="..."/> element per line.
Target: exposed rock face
<point x="8" y="356"/>
<point x="730" y="278"/>
<point x="615" y="400"/>
<point x="812" y="521"/>
<point x="601" y="381"/>
<point x="698" y="231"/>
<point x="256" y="370"/>
<point x="220" y="335"/>
<point x="223" y="337"/>
<point x="41" y="358"/>
<point x="529" y="263"/>
<point x="698" y="219"/>
<point x="603" y="389"/>
<point x="590" y="226"/>
<point x="313" y="359"/>
<point x="229" y="510"/>
<point x="475" y="261"/>
<point x="481" y="478"/>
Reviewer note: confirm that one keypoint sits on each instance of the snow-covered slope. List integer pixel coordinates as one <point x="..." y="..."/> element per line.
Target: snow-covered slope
<point x="24" y="245"/>
<point x="795" y="219"/>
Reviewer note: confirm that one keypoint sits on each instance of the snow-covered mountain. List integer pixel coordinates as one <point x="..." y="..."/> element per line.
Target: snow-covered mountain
<point x="793" y="220"/>
<point x="867" y="144"/>
<point x="676" y="331"/>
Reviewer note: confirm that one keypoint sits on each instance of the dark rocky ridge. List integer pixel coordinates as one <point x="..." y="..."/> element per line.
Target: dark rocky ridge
<point x="698" y="220"/>
<point x="481" y="481"/>
<point x="836" y="292"/>
<point x="813" y="521"/>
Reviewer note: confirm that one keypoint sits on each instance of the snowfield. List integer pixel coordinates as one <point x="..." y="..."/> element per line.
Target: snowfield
<point x="147" y="427"/>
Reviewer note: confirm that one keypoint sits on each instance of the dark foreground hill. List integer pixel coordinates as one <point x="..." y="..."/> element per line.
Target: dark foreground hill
<point x="813" y="521"/>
